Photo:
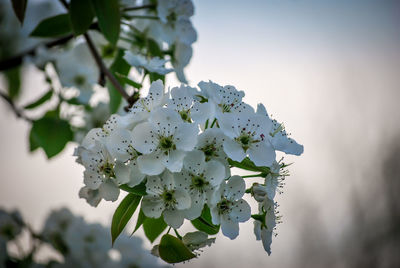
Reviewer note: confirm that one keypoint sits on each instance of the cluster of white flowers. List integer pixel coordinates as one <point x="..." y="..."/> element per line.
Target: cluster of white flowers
<point x="171" y="28"/>
<point x="81" y="244"/>
<point x="182" y="145"/>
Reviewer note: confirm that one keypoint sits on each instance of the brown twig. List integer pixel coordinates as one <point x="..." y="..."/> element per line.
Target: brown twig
<point x="104" y="69"/>
<point x="16" y="111"/>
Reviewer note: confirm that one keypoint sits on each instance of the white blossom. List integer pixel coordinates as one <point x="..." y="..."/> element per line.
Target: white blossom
<point x="248" y="137"/>
<point x="164" y="197"/>
<point x="278" y="136"/>
<point x="81" y="76"/>
<point x="264" y="229"/>
<point x="163" y="141"/>
<point x="231" y="209"/>
<point x="154" y="65"/>
<point x="200" y="179"/>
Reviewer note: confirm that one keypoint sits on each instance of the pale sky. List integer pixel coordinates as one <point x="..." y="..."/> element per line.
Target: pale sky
<point x="328" y="69"/>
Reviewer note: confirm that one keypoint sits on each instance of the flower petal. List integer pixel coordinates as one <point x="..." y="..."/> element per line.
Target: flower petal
<point x="185" y="137"/>
<point x="262" y="153"/>
<point x="92" y="180"/>
<point x="195" y="162"/>
<point x="118" y="144"/>
<point x="151" y="164"/>
<point x="152" y="207"/>
<point x="214" y="172"/>
<point x="122" y="172"/>
<point x="109" y="191"/>
<point x="174" y="160"/>
<point x="229" y="228"/>
<point x="235" y="188"/>
<point x="241" y="211"/>
<point x="173" y="218"/>
<point x="145" y="140"/>
<point x="136" y="176"/>
<point x="234" y="150"/>
<point x="182" y="199"/>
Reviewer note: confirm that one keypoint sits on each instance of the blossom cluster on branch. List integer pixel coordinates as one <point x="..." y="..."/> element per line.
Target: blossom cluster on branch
<point x="80" y="244"/>
<point x="179" y="146"/>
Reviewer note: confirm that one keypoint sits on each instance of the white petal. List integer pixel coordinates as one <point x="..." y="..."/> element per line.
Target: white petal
<point x="174" y="160"/>
<point x="185" y="137"/>
<point x="287" y="145"/>
<point x="156" y="92"/>
<point x="229" y="228"/>
<point x="91" y="196"/>
<point x="234" y="150"/>
<point x="214" y="172"/>
<point x="109" y="191"/>
<point x="152" y="207"/>
<point x="228" y="125"/>
<point x="122" y="173"/>
<point x="136" y="176"/>
<point x="182" y="199"/>
<point x="235" y="188"/>
<point x="154" y="186"/>
<point x="215" y="217"/>
<point x="257" y="229"/>
<point x="151" y="164"/>
<point x="200" y="112"/>
<point x="194" y="211"/>
<point x="262" y="154"/>
<point x="144" y="140"/>
<point x="92" y="180"/>
<point x="195" y="162"/>
<point x="173" y="218"/>
<point x="165" y="120"/>
<point x="241" y="211"/>
<point x="266" y="237"/>
<point x="118" y="143"/>
<point x="182" y="180"/>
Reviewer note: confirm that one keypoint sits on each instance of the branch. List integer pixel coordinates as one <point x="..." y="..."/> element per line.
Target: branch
<point x="104" y="69"/>
<point x="17" y="60"/>
<point x="138" y="7"/>
<point x="16" y="111"/>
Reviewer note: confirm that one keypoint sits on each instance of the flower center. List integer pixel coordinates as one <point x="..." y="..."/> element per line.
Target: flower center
<point x="166" y="143"/>
<point x="108" y="170"/>
<point x="199" y="182"/>
<point x="185" y="115"/>
<point x="168" y="197"/>
<point x="245" y="140"/>
<point x="223" y="206"/>
<point x="79" y="80"/>
<point x="210" y="151"/>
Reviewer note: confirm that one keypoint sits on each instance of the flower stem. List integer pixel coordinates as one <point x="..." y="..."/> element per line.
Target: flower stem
<point x="16" y="110"/>
<point x="253" y="176"/>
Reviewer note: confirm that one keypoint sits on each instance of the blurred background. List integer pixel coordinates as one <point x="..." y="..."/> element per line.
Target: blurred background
<point x="330" y="70"/>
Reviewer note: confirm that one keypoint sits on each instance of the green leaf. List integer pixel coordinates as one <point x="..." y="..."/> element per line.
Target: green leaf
<point x="204" y="223"/>
<point x="81" y="14"/>
<point x="122" y="67"/>
<point x="108" y="15"/>
<point x="137" y="190"/>
<point x="40" y="101"/>
<point x="51" y="134"/>
<point x="32" y="143"/>
<point x="153" y="227"/>
<point x="247" y="164"/>
<point x="156" y="76"/>
<point x="53" y="27"/>
<point x="140" y="221"/>
<point x="128" y="81"/>
<point x="19" y="7"/>
<point x="13" y="77"/>
<point x="172" y="250"/>
<point x="123" y="214"/>
<point x="153" y="48"/>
